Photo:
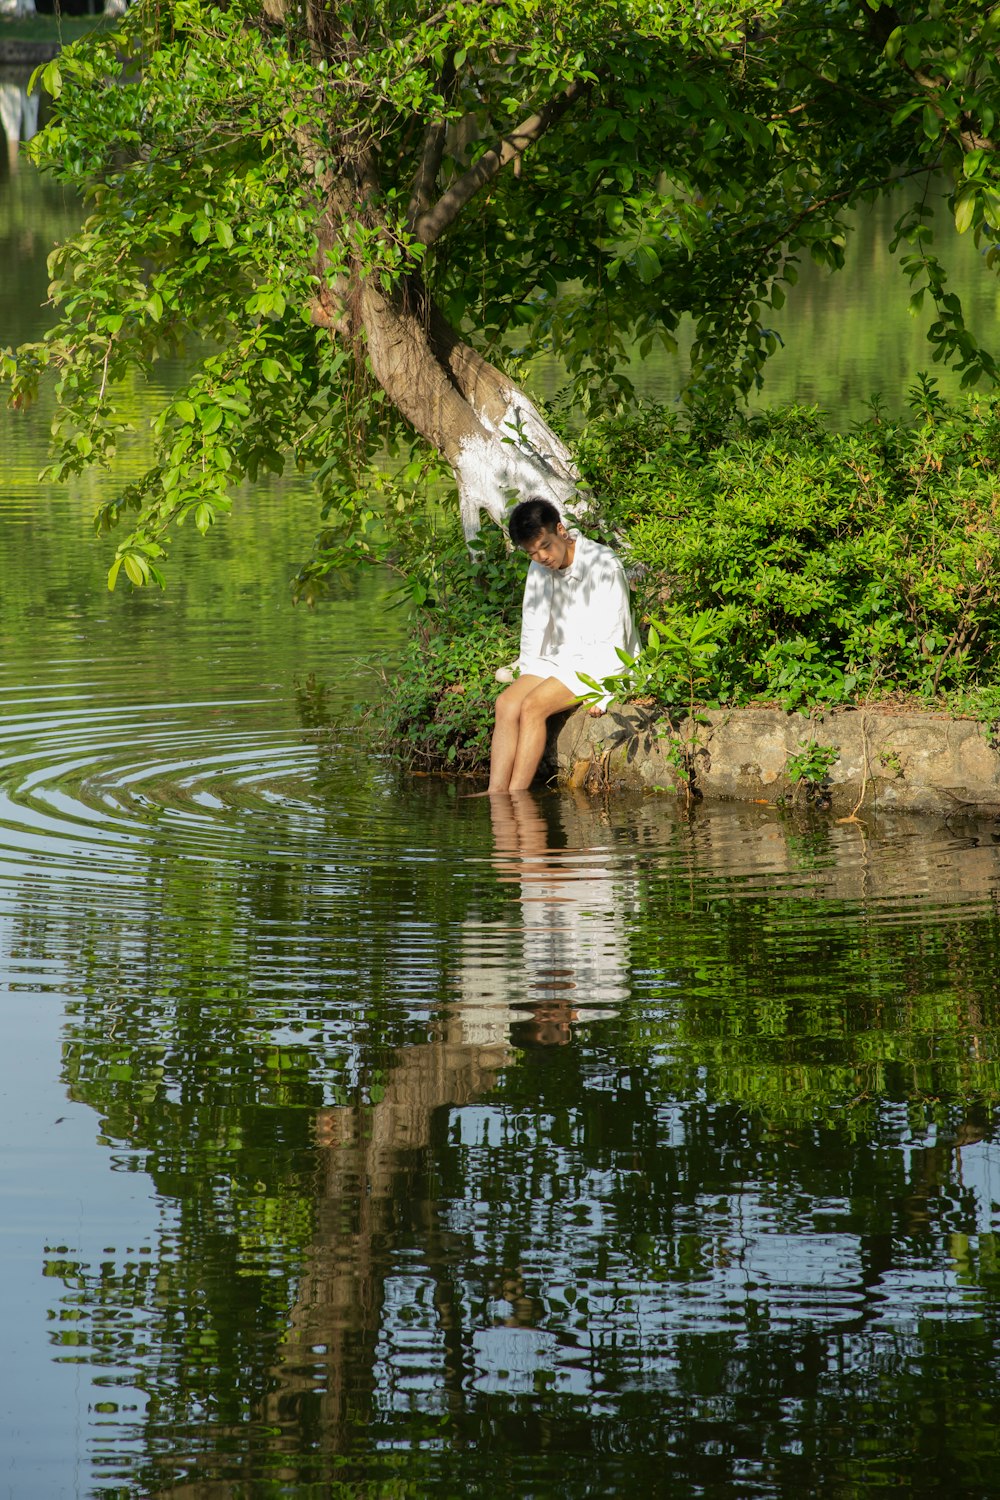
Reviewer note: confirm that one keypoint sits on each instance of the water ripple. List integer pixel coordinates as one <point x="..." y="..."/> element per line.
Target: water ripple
<point x="86" y="782"/>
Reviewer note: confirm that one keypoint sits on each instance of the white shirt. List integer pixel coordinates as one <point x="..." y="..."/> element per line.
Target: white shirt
<point x="573" y="618"/>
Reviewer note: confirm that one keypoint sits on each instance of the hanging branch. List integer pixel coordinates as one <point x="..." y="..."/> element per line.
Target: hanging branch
<point x="431" y="225"/>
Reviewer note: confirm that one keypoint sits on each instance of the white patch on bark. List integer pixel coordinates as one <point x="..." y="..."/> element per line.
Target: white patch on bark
<point x="520" y="457"/>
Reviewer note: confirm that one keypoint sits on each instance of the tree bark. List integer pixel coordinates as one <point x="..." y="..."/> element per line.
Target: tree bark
<point x="498" y="445"/>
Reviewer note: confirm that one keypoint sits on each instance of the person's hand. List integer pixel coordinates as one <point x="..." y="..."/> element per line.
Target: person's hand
<point x="595" y="711"/>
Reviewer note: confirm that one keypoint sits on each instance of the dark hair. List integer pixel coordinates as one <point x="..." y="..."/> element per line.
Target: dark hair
<point x="530" y="519"/>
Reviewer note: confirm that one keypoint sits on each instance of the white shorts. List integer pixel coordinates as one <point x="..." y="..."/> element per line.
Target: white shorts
<point x="549" y="666"/>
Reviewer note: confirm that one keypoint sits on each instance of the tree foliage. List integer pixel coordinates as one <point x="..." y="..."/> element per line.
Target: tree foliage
<point x="812" y="567"/>
<point x="354" y="213"/>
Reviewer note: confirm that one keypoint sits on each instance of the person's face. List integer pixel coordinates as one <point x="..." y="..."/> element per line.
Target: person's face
<point x="553" y="549"/>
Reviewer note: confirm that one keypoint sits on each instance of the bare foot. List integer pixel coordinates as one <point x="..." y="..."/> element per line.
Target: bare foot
<point x="596" y="712"/>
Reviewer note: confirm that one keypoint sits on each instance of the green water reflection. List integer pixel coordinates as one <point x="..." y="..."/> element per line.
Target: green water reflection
<point x="540" y="1138"/>
<point x="368" y="1140"/>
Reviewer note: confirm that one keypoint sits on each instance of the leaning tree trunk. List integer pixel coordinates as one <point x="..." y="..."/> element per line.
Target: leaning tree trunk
<point x="499" y="446"/>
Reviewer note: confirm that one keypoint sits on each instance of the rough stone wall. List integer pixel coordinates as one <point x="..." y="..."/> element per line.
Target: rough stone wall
<point x="877" y="758"/>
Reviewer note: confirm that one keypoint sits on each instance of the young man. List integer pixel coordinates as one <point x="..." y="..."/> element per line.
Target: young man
<point x="576" y="611"/>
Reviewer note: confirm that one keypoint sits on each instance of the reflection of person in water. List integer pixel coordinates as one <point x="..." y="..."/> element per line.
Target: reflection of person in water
<point x="555" y="960"/>
<point x="572" y="963"/>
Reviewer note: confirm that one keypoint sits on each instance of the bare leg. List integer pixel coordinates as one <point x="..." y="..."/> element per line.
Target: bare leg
<point x="551" y="697"/>
<point x="519" y="736"/>
<point x="506" y="727"/>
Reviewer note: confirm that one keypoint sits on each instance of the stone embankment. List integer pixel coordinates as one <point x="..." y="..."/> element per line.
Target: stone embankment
<point x="863" y="759"/>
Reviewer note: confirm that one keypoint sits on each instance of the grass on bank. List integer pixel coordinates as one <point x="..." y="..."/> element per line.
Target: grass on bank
<point x="772" y="560"/>
<point x="60" y="29"/>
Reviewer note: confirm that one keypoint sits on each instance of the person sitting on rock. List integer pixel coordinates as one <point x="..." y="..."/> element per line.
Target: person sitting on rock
<point x="575" y="617"/>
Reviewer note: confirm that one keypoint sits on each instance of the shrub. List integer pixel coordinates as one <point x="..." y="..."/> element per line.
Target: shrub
<point x="438" y="707"/>
<point x="834" y="565"/>
<point x="771" y="559"/>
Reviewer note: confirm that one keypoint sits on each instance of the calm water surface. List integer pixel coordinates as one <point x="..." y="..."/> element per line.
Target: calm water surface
<point x="363" y="1140"/>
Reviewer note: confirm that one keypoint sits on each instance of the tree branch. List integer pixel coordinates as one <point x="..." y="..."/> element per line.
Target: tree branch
<point x="881" y="24"/>
<point x="431" y="225"/>
<point x="426" y="174"/>
<point x="431" y="155"/>
<point x="843" y="196"/>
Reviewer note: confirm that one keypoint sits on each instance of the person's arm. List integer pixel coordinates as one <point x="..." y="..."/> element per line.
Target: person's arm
<point x="605" y="624"/>
<point x="534" y="614"/>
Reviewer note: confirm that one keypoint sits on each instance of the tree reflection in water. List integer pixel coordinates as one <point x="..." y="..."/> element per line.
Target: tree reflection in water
<point x="18" y="112"/>
<point x="568" y="959"/>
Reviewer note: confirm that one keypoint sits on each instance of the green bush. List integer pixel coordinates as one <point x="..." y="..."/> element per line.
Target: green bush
<point x="437" y="709"/>
<point x="835" y="566"/>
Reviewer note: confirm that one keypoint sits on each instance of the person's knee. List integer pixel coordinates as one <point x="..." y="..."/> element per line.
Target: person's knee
<point x="534" y="709"/>
<point x="507" y="710"/>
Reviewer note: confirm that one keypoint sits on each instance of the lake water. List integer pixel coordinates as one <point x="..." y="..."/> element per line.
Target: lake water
<point x="362" y="1140"/>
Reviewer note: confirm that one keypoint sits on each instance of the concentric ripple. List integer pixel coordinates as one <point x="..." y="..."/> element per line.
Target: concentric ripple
<point x="84" y="784"/>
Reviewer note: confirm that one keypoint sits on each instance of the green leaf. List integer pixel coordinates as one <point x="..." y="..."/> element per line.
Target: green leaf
<point x="136" y="568"/>
<point x="647" y="264"/>
<point x="906" y="110"/>
<point x="271" y="370"/>
<point x="52" y="79"/>
<point x="965" y="208"/>
<point x="714" y="135"/>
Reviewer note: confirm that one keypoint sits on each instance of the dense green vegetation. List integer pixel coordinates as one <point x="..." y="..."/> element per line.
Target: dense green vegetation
<point x="772" y="560"/>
